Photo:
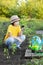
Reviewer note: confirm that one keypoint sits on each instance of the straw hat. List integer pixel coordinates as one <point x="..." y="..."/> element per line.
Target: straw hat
<point x="14" y="18"/>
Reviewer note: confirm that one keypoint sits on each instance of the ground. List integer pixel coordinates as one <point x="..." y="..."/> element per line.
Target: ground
<point x="16" y="59"/>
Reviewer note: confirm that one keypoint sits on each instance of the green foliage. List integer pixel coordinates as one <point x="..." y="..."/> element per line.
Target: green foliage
<point x="36" y="24"/>
<point x="7" y="8"/>
<point x="6" y="52"/>
<point x="30" y="27"/>
<point x="3" y="29"/>
<point x="30" y="8"/>
<point x="13" y="47"/>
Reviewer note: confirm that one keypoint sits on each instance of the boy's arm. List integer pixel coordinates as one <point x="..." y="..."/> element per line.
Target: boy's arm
<point x="21" y="29"/>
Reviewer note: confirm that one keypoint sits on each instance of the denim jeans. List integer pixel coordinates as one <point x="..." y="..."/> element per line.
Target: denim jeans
<point x="12" y="40"/>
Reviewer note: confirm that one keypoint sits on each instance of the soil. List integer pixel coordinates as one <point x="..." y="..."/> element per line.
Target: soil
<point x="17" y="58"/>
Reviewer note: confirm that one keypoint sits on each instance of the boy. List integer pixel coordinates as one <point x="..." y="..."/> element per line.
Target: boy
<point x="14" y="33"/>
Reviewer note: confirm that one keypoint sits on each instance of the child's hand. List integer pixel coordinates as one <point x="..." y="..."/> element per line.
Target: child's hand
<point x="18" y="39"/>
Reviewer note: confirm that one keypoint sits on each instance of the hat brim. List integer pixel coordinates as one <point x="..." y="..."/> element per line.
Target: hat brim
<point x="15" y="20"/>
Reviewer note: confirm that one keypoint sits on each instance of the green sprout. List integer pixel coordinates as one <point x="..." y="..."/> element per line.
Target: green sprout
<point x="13" y="47"/>
<point x="6" y="53"/>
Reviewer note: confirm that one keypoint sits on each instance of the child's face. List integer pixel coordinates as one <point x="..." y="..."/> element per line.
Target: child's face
<point x="16" y="23"/>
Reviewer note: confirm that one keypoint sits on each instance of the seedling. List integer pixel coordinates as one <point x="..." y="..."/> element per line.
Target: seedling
<point x="13" y="47"/>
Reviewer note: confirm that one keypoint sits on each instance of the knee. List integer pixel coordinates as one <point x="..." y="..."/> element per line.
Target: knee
<point x="23" y="37"/>
<point x="10" y="40"/>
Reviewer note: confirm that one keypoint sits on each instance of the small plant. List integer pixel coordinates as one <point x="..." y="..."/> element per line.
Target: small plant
<point x="13" y="47"/>
<point x="6" y="53"/>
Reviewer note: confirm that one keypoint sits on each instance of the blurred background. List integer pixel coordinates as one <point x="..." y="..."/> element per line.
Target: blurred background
<point x="23" y="8"/>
